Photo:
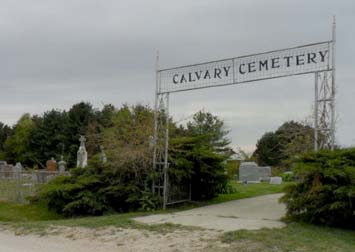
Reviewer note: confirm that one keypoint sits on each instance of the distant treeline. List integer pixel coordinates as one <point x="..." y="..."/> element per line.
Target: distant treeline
<point x="35" y="139"/>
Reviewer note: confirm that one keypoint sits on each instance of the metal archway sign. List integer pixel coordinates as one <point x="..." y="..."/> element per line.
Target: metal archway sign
<point x="317" y="58"/>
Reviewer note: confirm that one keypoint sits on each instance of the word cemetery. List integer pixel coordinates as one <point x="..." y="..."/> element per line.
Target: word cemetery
<point x="287" y="61"/>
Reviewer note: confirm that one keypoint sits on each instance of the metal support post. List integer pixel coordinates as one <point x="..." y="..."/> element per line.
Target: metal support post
<point x="333" y="90"/>
<point x="166" y="146"/>
<point x="155" y="137"/>
<point x="316" y="129"/>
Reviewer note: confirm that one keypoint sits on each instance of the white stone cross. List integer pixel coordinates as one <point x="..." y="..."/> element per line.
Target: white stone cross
<point x="82" y="140"/>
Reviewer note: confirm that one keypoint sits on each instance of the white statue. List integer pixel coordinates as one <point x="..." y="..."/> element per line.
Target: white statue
<point x="82" y="157"/>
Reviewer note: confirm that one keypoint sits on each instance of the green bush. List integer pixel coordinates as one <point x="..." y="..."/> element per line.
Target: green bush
<point x="326" y="193"/>
<point x="95" y="191"/>
<point x="227" y="188"/>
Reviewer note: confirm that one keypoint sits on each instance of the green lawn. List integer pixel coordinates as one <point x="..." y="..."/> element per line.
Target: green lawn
<point x="247" y="191"/>
<point x="12" y="212"/>
<point x="296" y="237"/>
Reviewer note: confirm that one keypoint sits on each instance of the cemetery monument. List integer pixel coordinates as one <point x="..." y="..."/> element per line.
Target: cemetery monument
<point x="82" y="156"/>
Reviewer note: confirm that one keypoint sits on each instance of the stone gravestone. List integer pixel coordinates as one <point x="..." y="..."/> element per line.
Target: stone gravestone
<point x="248" y="171"/>
<point x="265" y="173"/>
<point x="103" y="157"/>
<point x="251" y="172"/>
<point x="17" y="170"/>
<point x="18" y="167"/>
<point x="82" y="156"/>
<point x="62" y="165"/>
<point x="51" y="165"/>
<point x="275" y="180"/>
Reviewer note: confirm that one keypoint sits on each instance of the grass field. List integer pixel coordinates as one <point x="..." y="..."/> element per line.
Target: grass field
<point x="18" y="213"/>
<point x="248" y="191"/>
<point x="295" y="237"/>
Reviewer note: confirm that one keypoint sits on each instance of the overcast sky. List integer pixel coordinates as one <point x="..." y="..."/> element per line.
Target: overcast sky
<point x="54" y="53"/>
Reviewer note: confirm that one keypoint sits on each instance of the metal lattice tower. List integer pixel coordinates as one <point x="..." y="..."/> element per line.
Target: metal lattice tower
<point x="324" y="107"/>
<point x="161" y="141"/>
<point x="160" y="155"/>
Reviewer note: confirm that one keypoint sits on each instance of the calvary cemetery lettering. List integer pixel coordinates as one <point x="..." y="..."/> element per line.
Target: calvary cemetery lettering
<point x="252" y="66"/>
<point x="299" y="60"/>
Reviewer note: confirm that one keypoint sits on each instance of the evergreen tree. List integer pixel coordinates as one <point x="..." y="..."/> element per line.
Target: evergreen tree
<point x="199" y="155"/>
<point x="17" y="146"/>
<point x="49" y="138"/>
<point x="5" y="132"/>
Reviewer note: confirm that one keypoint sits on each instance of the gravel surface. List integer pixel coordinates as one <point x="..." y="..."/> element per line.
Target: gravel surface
<point x="64" y="239"/>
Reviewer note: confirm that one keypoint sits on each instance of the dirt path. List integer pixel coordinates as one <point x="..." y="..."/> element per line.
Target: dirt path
<point x="64" y="239"/>
<point x="252" y="213"/>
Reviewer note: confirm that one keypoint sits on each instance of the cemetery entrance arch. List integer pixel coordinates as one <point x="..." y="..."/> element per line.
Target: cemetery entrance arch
<point x="317" y="58"/>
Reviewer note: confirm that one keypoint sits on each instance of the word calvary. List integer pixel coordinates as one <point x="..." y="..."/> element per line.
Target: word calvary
<point x="245" y="66"/>
<point x="202" y="75"/>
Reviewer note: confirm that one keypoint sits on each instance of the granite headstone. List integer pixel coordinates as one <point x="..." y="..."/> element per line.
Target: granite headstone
<point x="251" y="172"/>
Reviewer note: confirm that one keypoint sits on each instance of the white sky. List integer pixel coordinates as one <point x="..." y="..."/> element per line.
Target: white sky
<point x="56" y="53"/>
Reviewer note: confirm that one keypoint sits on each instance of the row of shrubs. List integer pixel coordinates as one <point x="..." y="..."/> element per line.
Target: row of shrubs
<point x="323" y="194"/>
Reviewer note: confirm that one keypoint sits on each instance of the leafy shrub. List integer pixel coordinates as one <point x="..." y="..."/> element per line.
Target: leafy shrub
<point x="148" y="201"/>
<point x="93" y="191"/>
<point x="227" y="188"/>
<point x="326" y="193"/>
